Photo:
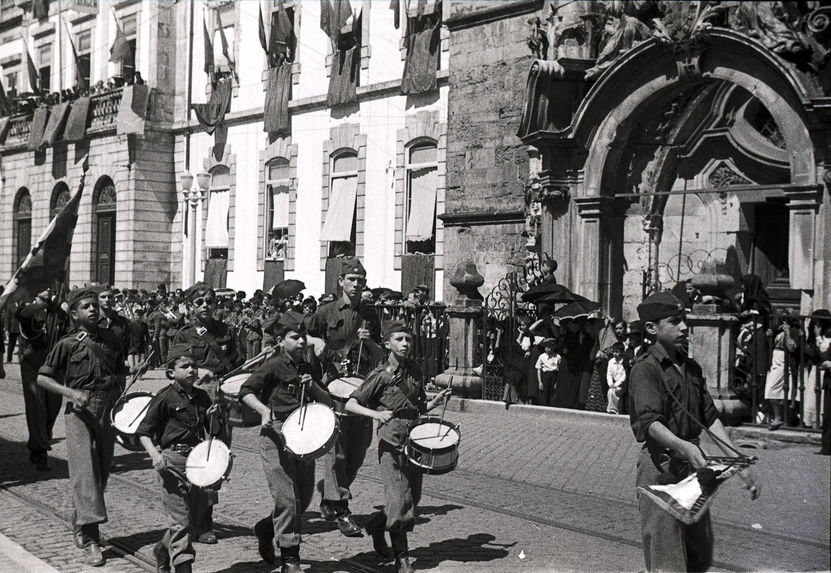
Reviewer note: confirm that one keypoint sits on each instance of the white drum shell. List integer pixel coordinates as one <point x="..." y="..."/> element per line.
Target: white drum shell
<point x="208" y="463"/>
<point x="310" y="438"/>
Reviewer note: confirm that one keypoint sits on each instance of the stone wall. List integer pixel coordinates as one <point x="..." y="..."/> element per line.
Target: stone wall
<point x="487" y="164"/>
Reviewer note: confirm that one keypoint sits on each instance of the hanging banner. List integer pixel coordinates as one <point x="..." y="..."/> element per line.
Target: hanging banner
<point x="83" y="6"/>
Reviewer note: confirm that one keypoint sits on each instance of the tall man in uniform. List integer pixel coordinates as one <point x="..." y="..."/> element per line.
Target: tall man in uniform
<point x="87" y="369"/>
<point x="352" y="334"/>
<point x="213" y="348"/>
<point x="668" y="406"/>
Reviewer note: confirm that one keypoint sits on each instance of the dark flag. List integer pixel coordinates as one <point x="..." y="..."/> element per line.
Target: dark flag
<point x="80" y="81"/>
<point x="4" y="101"/>
<point x="40" y="8"/>
<point x="263" y="40"/>
<point x="34" y="78"/>
<point x="46" y="262"/>
<point x="211" y="114"/>
<point x="326" y="17"/>
<point x="120" y="50"/>
<point x="209" y="49"/>
<point x="224" y="41"/>
<point x="282" y="41"/>
<point x="395" y="6"/>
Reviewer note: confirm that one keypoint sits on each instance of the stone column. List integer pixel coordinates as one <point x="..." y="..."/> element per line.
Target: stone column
<point x="592" y="251"/>
<point x="803" y="205"/>
<point x="465" y="316"/>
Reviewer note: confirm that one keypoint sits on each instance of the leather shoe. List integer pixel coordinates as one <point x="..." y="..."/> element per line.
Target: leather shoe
<point x="208" y="538"/>
<point x="162" y="558"/>
<point x="265" y="540"/>
<point x="348" y="526"/>
<point x="327" y="512"/>
<point x="92" y="554"/>
<point x="291" y="566"/>
<point x="402" y="565"/>
<point x="78" y="537"/>
<point x="379" y="539"/>
<point x="42" y="464"/>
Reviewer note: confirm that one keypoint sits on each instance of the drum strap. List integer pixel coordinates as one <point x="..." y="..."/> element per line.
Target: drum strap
<point x="218" y="353"/>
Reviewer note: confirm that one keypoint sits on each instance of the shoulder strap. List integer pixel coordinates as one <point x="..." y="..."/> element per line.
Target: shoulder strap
<point x="84" y="339"/>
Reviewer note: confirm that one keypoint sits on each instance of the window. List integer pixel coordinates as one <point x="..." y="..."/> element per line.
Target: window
<point x="339" y="228"/>
<point x="276" y="234"/>
<point x="11" y="84"/>
<point x="420" y="198"/>
<point x="84" y="48"/>
<point x="225" y="17"/>
<point x="216" y="229"/>
<point x="128" y="66"/>
<point x="60" y="197"/>
<point x="22" y="226"/>
<point x="45" y="67"/>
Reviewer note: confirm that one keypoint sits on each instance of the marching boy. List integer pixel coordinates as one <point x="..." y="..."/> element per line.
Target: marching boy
<point x="87" y="368"/>
<point x="177" y="419"/>
<point x="275" y="390"/>
<point x="394" y="395"/>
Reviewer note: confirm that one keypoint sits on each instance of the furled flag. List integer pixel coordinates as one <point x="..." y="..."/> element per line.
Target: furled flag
<point x="4" y="101"/>
<point x="46" y="262"/>
<point x="224" y="41"/>
<point x="120" y="50"/>
<point x="263" y="41"/>
<point x="34" y="78"/>
<point x="80" y="80"/>
<point x="209" y="49"/>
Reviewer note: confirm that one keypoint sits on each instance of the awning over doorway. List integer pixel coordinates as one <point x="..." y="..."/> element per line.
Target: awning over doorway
<point x="216" y="231"/>
<point x="339" y="218"/>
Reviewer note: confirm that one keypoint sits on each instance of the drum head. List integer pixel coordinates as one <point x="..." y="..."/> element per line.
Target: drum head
<point x="435" y="435"/>
<point x="129" y="413"/>
<point x="233" y="384"/>
<point x="207" y="463"/>
<point x="343" y="387"/>
<point x="315" y="433"/>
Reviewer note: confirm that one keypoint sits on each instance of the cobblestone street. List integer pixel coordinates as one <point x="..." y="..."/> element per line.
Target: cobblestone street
<point x="535" y="491"/>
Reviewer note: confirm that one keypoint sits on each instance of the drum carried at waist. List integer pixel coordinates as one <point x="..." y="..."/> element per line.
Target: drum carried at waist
<point x="126" y="415"/>
<point x="341" y="390"/>
<point x="209" y="463"/>
<point x="310" y="431"/>
<point x="433" y="445"/>
<point x="239" y="413"/>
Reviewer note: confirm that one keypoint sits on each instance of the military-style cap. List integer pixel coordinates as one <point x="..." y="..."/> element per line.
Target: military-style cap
<point x="176" y="352"/>
<point x="394" y="326"/>
<point x="423" y="287"/>
<point x="289" y="320"/>
<point x="351" y="266"/>
<point x="661" y="305"/>
<point x="195" y="291"/>
<point x="328" y="297"/>
<point x="77" y="294"/>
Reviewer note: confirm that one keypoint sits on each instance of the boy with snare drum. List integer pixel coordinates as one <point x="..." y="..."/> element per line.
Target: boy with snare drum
<point x="394" y="395"/>
<point x="177" y="419"/>
<point x="275" y="390"/>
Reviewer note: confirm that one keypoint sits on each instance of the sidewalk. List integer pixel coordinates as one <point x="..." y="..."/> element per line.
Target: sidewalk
<point x="15" y="559"/>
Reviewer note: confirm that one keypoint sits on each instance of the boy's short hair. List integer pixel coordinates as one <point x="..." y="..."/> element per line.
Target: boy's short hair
<point x="618" y="347"/>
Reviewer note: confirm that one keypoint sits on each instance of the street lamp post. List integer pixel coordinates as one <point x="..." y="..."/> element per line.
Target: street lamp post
<point x="192" y="195"/>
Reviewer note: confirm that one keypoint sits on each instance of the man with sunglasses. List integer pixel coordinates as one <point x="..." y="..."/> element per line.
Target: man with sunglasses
<point x="213" y="348"/>
<point x="352" y="334"/>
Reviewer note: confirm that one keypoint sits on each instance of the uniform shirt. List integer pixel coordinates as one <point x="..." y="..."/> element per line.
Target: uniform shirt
<point x="401" y="391"/>
<point x="119" y="326"/>
<point x="77" y="366"/>
<point x="337" y="323"/>
<point x="197" y="337"/>
<point x="653" y="373"/>
<point x="276" y="383"/>
<point x="176" y="417"/>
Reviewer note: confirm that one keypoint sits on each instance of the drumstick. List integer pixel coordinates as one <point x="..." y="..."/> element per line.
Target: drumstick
<point x="441" y="423"/>
<point x="210" y="443"/>
<point x="302" y="415"/>
<point x="360" y="350"/>
<point x="140" y="413"/>
<point x="137" y="375"/>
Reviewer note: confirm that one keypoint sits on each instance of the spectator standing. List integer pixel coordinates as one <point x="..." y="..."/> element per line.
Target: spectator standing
<point x="547" y="366"/>
<point x="139" y="338"/>
<point x="615" y="378"/>
<point x="783" y="345"/>
<point x="818" y="354"/>
<point x="12" y="327"/>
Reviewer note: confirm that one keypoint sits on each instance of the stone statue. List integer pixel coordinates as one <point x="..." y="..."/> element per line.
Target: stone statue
<point x="538" y="39"/>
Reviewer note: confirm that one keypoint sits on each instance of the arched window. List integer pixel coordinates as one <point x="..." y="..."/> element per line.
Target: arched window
<point x="104" y="212"/>
<point x="22" y="225"/>
<point x="339" y="228"/>
<point x="420" y="198"/>
<point x="60" y="197"/>
<point x="277" y="183"/>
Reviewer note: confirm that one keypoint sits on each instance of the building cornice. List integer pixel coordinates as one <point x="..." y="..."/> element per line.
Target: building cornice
<point x="499" y="11"/>
<point x="475" y="218"/>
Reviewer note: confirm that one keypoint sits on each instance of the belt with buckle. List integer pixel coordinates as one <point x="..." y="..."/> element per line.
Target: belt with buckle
<point x="183" y="449"/>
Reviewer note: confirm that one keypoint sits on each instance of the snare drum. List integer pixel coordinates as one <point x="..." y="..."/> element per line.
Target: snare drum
<point x="341" y="390"/>
<point x="126" y="416"/>
<point x="239" y="413"/>
<point x="310" y="431"/>
<point x="208" y="464"/>
<point x="433" y="445"/>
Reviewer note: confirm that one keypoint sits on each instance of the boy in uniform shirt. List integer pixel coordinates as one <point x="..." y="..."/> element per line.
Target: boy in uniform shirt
<point x="274" y="390"/>
<point x="394" y="395"/>
<point x="177" y="419"/>
<point x="87" y="368"/>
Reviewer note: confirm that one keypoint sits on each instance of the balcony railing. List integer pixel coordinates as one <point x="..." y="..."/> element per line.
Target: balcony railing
<point x="102" y="118"/>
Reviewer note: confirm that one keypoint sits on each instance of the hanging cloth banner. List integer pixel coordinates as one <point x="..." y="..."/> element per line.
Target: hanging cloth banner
<point x="38" y="125"/>
<point x="276" y="117"/>
<point x="343" y="81"/>
<point x="76" y="124"/>
<point x="4" y="129"/>
<point x="212" y="113"/>
<point x="132" y="110"/>
<point x="423" y="51"/>
<point x="54" y="127"/>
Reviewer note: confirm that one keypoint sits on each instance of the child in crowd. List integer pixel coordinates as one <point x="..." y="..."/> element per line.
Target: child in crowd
<point x="177" y="419"/>
<point x="548" y="365"/>
<point x="139" y="339"/>
<point x="615" y="377"/>
<point x="394" y="395"/>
